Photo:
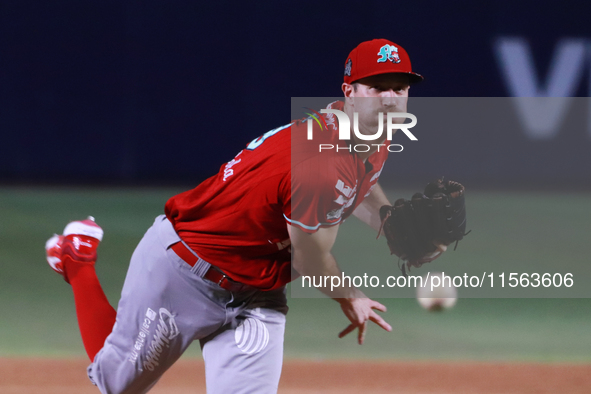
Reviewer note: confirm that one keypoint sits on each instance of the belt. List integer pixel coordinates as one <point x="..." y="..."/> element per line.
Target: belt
<point x="213" y="274"/>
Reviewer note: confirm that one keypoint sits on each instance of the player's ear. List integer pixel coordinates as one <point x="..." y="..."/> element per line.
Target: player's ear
<point x="348" y="89"/>
<point x="349" y="93"/>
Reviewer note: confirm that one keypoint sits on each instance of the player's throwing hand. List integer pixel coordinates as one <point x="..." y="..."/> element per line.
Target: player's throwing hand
<point x="359" y="311"/>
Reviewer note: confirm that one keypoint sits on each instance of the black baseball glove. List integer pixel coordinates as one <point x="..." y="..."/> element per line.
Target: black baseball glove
<point x="419" y="230"/>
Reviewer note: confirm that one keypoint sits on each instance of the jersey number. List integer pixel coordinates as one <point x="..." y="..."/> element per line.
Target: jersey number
<point x="259" y="140"/>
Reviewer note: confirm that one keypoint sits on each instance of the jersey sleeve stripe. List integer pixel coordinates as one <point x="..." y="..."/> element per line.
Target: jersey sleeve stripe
<point x="310" y="227"/>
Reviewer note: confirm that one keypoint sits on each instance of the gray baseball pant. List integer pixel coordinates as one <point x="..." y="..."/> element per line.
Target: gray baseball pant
<point x="166" y="304"/>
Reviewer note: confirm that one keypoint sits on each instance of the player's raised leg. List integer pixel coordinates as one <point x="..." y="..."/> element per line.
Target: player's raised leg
<point x="73" y="256"/>
<point x="246" y="355"/>
<point x="164" y="306"/>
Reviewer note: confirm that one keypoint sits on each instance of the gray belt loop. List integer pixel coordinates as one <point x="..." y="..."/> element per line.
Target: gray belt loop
<point x="201" y="266"/>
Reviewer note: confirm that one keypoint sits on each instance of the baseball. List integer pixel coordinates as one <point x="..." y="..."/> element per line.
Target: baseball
<point x="436" y="295"/>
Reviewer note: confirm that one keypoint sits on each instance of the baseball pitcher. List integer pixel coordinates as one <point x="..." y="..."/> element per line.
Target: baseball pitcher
<point x="214" y="266"/>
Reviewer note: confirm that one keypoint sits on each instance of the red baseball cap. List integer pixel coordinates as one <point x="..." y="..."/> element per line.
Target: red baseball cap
<point x="379" y="56"/>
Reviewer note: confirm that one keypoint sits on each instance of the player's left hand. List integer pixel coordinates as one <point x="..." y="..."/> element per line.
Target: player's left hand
<point x="419" y="230"/>
<point x="359" y="311"/>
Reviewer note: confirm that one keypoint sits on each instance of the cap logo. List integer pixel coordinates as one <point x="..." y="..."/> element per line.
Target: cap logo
<point x="348" y="67"/>
<point x="388" y="52"/>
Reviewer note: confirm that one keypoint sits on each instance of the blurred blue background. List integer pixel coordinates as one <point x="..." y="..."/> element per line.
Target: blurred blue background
<point x="155" y="92"/>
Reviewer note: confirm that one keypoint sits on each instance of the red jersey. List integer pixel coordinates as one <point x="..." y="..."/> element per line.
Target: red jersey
<point x="237" y="219"/>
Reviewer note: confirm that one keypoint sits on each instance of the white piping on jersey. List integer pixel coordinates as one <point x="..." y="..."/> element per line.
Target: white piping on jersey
<point x="310" y="227"/>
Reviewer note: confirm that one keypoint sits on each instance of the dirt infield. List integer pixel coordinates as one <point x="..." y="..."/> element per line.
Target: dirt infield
<point x="47" y="376"/>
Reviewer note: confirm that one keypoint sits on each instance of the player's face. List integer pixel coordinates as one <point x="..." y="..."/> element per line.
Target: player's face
<point x="379" y="93"/>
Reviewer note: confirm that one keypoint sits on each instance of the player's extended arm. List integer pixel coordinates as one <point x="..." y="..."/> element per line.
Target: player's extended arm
<point x="369" y="209"/>
<point x="311" y="256"/>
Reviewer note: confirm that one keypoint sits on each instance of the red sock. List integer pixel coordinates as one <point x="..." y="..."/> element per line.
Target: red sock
<point x="96" y="317"/>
